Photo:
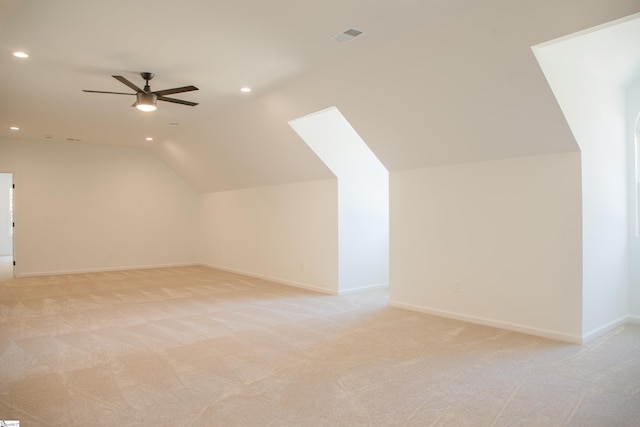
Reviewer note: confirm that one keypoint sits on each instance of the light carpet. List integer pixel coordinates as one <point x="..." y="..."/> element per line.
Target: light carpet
<point x="193" y="346"/>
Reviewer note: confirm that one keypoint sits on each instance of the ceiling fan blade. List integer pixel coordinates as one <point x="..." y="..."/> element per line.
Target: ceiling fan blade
<point x="128" y="83"/>
<point x="113" y="93"/>
<point x="175" y="90"/>
<point x="177" y="101"/>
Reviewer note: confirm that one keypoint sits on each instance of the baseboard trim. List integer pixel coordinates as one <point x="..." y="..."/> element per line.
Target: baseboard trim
<point x="634" y="319"/>
<point x="274" y="279"/>
<point x="104" y="269"/>
<point x="544" y="333"/>
<point x="363" y="289"/>
<point x="601" y="330"/>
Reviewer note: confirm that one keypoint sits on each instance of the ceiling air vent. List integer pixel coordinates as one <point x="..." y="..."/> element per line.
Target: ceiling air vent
<point x="348" y="35"/>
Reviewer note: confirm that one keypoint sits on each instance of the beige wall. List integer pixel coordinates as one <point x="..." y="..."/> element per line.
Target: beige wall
<point x="288" y="233"/>
<point x="508" y="231"/>
<point x="86" y="208"/>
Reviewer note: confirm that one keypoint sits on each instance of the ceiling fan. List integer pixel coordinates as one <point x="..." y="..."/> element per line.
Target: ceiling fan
<point x="145" y="98"/>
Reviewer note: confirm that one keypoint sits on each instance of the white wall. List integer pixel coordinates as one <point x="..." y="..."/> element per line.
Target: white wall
<point x="363" y="198"/>
<point x="88" y="208"/>
<point x="604" y="193"/>
<point x="508" y="231"/>
<point x="581" y="72"/>
<point x="363" y="226"/>
<point x="287" y="233"/>
<point x="6" y="241"/>
<point x="633" y="113"/>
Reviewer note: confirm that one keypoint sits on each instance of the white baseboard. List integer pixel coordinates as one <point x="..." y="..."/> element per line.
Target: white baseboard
<point x="103" y="269"/>
<point x="274" y="279"/>
<point x="634" y="319"/>
<point x="558" y="336"/>
<point x="217" y="267"/>
<point x="363" y="289"/>
<point x="601" y="330"/>
<point x="301" y="285"/>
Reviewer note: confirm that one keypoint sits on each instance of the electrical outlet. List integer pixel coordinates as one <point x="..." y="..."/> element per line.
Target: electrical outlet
<point x="457" y="286"/>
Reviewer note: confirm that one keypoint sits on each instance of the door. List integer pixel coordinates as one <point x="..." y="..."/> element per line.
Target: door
<point x="6" y="226"/>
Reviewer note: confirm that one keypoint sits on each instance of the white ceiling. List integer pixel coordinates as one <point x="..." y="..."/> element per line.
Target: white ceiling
<point x="430" y="82"/>
<point x="217" y="45"/>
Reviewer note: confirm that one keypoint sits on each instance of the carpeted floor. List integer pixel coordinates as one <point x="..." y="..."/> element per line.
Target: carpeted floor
<point x="193" y="346"/>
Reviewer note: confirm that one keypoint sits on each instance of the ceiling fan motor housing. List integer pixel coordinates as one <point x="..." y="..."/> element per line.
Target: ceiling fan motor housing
<point x="146" y="98"/>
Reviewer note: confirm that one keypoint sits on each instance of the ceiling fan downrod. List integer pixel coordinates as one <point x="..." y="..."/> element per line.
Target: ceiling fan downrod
<point x="147" y="76"/>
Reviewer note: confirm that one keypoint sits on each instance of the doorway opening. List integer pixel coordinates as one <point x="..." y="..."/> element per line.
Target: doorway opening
<point x="6" y="226"/>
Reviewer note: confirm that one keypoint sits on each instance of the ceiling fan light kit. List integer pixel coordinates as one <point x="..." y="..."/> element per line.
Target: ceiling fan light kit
<point x="146" y="100"/>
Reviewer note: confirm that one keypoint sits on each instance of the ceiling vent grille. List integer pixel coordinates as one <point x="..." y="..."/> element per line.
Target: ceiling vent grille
<point x="348" y="35"/>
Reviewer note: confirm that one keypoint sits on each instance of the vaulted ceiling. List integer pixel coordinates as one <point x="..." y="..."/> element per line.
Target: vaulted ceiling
<point x="429" y="82"/>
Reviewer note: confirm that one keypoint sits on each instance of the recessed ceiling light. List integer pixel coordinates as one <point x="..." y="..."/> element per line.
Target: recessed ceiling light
<point x="14" y="128"/>
<point x="245" y="89"/>
<point x="149" y="138"/>
<point x="19" y="54"/>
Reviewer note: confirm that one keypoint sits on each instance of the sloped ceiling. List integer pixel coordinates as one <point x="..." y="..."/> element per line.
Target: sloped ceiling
<point x="428" y="83"/>
<point x="590" y="73"/>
